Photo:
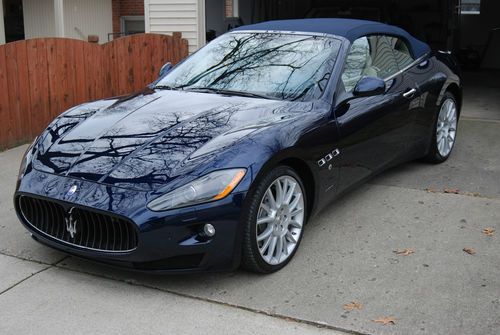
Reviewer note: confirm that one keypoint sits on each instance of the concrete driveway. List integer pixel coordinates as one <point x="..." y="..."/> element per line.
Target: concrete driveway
<point x="347" y="255"/>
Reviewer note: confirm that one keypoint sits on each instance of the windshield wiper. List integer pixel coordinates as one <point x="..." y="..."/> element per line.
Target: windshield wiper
<point x="166" y="87"/>
<point x="228" y="92"/>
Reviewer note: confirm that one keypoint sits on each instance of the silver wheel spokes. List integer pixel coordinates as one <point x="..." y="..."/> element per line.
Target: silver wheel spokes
<point x="280" y="219"/>
<point x="446" y="129"/>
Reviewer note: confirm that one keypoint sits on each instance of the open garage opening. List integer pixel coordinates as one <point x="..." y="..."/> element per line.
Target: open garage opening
<point x="466" y="27"/>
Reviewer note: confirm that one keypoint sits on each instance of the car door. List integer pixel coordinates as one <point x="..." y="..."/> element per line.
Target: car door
<point x="418" y="75"/>
<point x="372" y="130"/>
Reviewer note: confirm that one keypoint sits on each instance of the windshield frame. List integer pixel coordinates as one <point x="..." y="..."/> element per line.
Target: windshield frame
<point x="333" y="72"/>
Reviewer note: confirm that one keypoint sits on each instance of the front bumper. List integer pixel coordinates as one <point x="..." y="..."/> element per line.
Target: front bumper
<point x="168" y="241"/>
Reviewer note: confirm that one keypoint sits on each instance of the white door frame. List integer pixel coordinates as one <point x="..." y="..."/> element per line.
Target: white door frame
<point x="2" y="24"/>
<point x="59" y="17"/>
<point x="202" y="34"/>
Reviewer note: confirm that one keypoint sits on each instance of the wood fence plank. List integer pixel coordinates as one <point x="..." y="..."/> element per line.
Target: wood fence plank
<point x="69" y="68"/>
<point x="155" y="58"/>
<point x="105" y="66"/>
<point x="89" y="89"/>
<point x="121" y="51"/>
<point x="172" y="51"/>
<point x="80" y="78"/>
<point x="31" y="56"/>
<point x="13" y="122"/>
<point x="24" y="93"/>
<point x="146" y="57"/>
<point x="129" y="64"/>
<point x="4" y="100"/>
<point x="60" y="92"/>
<point x="138" y="79"/>
<point x="39" y="78"/>
<point x="98" y="72"/>
<point x="119" y="85"/>
<point x="42" y="74"/>
<point x="113" y="69"/>
<point x="160" y="50"/>
<point x="54" y="76"/>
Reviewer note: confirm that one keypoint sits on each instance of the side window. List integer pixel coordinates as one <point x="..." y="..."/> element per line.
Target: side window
<point x="370" y="56"/>
<point x="357" y="63"/>
<point x="383" y="60"/>
<point x="401" y="52"/>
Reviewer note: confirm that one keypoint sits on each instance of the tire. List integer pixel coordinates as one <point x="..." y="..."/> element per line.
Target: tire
<point x="280" y="223"/>
<point x="439" y="152"/>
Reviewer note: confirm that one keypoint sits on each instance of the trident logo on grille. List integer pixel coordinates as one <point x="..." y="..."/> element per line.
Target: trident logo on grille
<point x="70" y="223"/>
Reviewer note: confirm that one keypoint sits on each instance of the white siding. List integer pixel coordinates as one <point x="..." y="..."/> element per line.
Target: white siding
<point x="185" y="16"/>
<point x="88" y="17"/>
<point x="38" y="18"/>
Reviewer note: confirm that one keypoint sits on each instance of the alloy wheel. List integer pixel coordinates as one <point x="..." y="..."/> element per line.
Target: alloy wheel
<point x="280" y="220"/>
<point x="446" y="129"/>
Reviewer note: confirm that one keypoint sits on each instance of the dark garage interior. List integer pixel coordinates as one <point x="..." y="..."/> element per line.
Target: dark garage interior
<point x="470" y="28"/>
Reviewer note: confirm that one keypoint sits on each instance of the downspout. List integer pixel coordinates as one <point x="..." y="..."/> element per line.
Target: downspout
<point x="59" y="17"/>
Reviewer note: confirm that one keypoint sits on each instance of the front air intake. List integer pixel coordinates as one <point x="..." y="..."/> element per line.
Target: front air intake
<point x="78" y="226"/>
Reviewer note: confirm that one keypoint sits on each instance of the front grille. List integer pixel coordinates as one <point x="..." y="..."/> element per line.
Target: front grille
<point x="78" y="226"/>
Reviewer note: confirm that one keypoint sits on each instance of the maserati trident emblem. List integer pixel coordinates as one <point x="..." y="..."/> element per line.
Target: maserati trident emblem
<point x="72" y="190"/>
<point x="70" y="223"/>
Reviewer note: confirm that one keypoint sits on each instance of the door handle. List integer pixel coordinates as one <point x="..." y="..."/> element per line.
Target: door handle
<point x="410" y="93"/>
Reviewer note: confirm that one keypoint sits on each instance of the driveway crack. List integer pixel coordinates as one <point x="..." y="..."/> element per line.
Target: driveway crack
<point x="316" y="324"/>
<point x="25" y="279"/>
<point x="47" y="267"/>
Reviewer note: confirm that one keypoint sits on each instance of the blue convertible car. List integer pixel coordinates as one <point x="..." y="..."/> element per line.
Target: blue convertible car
<point x="222" y="160"/>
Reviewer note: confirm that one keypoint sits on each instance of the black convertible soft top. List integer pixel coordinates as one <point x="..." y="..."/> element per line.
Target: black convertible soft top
<point x="349" y="28"/>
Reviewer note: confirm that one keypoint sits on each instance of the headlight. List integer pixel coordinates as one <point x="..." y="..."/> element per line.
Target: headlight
<point x="213" y="186"/>
<point x="25" y="160"/>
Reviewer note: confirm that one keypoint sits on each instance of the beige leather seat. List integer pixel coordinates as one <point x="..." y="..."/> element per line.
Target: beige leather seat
<point x="369" y="69"/>
<point x="358" y="64"/>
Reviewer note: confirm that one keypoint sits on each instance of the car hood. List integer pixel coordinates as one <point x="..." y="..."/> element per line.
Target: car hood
<point x="145" y="140"/>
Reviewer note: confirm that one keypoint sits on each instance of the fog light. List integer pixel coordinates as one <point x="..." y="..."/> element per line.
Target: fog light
<point x="209" y="230"/>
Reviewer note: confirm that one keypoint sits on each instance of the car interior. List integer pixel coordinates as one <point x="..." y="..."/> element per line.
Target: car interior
<point x="375" y="56"/>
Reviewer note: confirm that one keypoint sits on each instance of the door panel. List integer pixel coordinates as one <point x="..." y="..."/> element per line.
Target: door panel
<point x="423" y="106"/>
<point x="419" y="76"/>
<point x="374" y="131"/>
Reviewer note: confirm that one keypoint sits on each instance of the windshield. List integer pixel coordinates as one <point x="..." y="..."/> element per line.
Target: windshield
<point x="273" y="65"/>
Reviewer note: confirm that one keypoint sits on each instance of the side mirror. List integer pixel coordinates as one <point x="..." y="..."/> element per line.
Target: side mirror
<point x="368" y="87"/>
<point x="165" y="69"/>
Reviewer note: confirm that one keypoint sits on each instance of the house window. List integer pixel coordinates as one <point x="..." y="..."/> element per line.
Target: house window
<point x="231" y="8"/>
<point x="131" y="25"/>
<point x="470" y="7"/>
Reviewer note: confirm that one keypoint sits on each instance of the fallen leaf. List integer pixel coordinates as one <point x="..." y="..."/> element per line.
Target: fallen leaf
<point x="488" y="231"/>
<point x="388" y="320"/>
<point x="451" y="190"/>
<point x="470" y="251"/>
<point x="404" y="252"/>
<point x="431" y="190"/>
<point x="472" y="194"/>
<point x="353" y="305"/>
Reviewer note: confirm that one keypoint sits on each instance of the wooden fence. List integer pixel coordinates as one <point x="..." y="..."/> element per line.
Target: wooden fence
<point x="41" y="78"/>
